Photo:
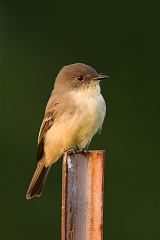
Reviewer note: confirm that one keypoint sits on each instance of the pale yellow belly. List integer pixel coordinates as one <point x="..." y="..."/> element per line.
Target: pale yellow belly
<point x="65" y="134"/>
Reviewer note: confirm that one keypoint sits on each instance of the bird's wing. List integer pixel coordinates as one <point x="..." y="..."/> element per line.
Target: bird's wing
<point x="49" y="118"/>
<point x="46" y="125"/>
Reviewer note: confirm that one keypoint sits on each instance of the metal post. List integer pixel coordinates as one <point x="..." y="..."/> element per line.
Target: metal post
<point x="82" y="196"/>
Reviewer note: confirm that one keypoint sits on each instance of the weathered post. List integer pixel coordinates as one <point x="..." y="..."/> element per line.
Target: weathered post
<point x="82" y="195"/>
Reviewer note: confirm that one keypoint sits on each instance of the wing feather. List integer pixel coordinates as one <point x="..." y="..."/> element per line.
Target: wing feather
<point x="49" y="118"/>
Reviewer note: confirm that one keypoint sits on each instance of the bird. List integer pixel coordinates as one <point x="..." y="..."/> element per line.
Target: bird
<point x="74" y="113"/>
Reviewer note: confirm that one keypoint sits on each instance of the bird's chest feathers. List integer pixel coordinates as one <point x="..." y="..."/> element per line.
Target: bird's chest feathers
<point x="90" y="107"/>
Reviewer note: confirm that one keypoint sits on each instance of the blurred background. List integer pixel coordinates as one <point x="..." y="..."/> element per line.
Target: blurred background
<point x="120" y="38"/>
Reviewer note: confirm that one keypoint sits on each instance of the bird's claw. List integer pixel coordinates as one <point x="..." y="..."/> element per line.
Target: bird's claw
<point x="71" y="151"/>
<point x="77" y="150"/>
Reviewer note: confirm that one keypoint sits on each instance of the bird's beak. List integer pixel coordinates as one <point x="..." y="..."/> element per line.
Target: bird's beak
<point x="100" y="77"/>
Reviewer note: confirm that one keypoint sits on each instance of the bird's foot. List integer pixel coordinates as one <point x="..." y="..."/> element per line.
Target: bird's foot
<point x="71" y="151"/>
<point x="81" y="151"/>
<point x="77" y="150"/>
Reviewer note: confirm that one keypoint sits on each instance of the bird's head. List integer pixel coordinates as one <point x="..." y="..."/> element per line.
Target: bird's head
<point x="77" y="76"/>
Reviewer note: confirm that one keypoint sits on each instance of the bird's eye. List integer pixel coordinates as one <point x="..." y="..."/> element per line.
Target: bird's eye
<point x="80" y="78"/>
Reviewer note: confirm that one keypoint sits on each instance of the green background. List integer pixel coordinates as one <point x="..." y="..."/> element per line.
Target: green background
<point x="120" y="38"/>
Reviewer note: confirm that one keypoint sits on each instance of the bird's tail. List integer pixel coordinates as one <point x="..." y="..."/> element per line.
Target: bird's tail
<point x="38" y="180"/>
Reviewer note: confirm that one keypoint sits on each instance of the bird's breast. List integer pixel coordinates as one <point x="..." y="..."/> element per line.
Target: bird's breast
<point x="90" y="108"/>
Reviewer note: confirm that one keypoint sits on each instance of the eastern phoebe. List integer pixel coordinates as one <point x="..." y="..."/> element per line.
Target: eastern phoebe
<point x="74" y="113"/>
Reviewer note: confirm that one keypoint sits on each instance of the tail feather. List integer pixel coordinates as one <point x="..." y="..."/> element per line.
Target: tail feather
<point x="38" y="181"/>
